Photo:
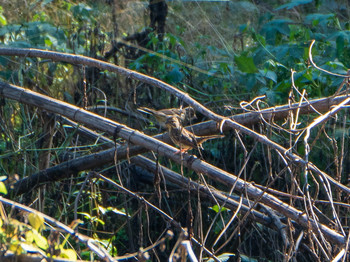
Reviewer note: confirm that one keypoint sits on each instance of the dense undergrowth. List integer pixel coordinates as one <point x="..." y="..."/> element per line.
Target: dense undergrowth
<point x="221" y="54"/>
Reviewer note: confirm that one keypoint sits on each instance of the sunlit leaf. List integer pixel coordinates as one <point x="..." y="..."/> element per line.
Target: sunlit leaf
<point x="40" y="240"/>
<point x="3" y="189"/>
<point x="3" y="20"/>
<point x="86" y="215"/>
<point x="29" y="236"/>
<point x="15" y="247"/>
<point x="69" y="254"/>
<point x="216" y="208"/>
<point x="36" y="221"/>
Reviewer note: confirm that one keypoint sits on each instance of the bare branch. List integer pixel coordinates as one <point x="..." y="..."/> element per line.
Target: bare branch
<point x="133" y="136"/>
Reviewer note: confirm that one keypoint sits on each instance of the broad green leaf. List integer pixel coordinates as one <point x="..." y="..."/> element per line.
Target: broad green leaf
<point x="9" y="28"/>
<point x="174" y="76"/>
<point x="269" y="74"/>
<point x="274" y="28"/>
<point x="245" y="64"/>
<point x="321" y="19"/>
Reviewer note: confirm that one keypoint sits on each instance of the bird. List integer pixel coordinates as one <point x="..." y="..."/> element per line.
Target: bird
<point x="182" y="137"/>
<point x="184" y="114"/>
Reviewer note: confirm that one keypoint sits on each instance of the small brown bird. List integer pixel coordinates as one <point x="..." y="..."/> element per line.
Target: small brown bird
<point x="184" y="114"/>
<point x="184" y="138"/>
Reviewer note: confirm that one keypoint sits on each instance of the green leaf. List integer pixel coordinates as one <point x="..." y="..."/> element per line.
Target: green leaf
<point x="274" y="28"/>
<point x="269" y="74"/>
<point x="3" y="20"/>
<point x="86" y="215"/>
<point x="174" y="76"/>
<point x="245" y="64"/>
<point x="9" y="29"/>
<point x="216" y="208"/>
<point x="293" y="4"/>
<point x="319" y="19"/>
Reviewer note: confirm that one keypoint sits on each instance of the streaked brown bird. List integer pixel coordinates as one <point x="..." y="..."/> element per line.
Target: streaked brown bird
<point x="184" y="114"/>
<point x="184" y="138"/>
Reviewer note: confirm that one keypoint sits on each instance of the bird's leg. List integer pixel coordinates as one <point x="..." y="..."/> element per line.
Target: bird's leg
<point x="181" y="150"/>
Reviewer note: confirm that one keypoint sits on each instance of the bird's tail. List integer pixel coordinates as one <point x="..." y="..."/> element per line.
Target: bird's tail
<point x="205" y="138"/>
<point x="146" y="110"/>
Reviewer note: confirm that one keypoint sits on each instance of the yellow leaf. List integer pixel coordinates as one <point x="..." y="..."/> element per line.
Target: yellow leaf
<point x="40" y="240"/>
<point x="36" y="221"/>
<point x="15" y="247"/>
<point x="3" y="189"/>
<point x="29" y="236"/>
<point x="68" y="253"/>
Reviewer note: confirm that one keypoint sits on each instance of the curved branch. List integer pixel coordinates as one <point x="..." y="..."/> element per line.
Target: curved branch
<point x="319" y="68"/>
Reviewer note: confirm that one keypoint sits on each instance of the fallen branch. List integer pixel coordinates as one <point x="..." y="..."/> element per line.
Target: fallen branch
<point x="92" y="244"/>
<point x="229" y="123"/>
<point x="135" y="137"/>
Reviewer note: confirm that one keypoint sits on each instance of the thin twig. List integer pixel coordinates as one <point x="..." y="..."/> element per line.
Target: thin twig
<point x="91" y="243"/>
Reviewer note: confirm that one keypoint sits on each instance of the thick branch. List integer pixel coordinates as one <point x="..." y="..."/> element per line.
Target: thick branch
<point x="229" y="123"/>
<point x="133" y="136"/>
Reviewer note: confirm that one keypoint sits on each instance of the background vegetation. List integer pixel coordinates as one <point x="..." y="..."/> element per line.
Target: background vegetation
<point x="222" y="53"/>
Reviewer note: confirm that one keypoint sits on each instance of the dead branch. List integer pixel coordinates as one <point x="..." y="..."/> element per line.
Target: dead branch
<point x="78" y="59"/>
<point x="135" y="137"/>
<point x="92" y="244"/>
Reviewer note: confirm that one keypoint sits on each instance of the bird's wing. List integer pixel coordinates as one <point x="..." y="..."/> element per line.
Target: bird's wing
<point x="188" y="138"/>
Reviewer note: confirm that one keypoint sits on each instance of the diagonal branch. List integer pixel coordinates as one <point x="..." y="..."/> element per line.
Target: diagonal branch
<point x="135" y="137"/>
<point x="229" y="123"/>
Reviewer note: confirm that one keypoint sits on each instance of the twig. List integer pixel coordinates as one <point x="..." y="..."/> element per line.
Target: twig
<point x="319" y="68"/>
<point x="91" y="243"/>
<point x="149" y="204"/>
<point x="136" y="137"/>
